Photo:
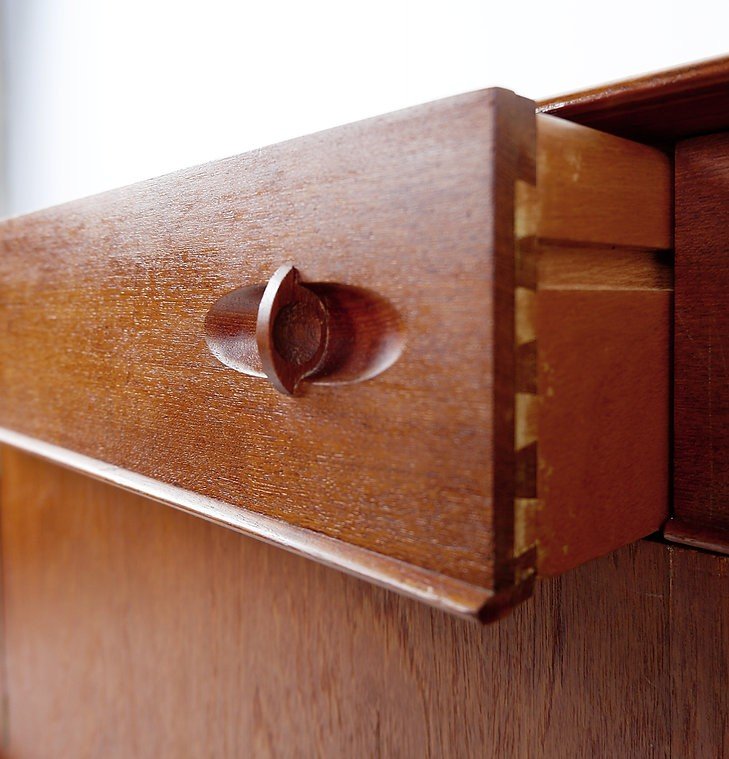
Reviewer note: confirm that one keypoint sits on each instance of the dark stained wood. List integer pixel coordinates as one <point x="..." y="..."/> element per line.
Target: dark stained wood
<point x="103" y="346"/>
<point x="699" y="654"/>
<point x="364" y="332"/>
<point x="657" y="108"/>
<point x="134" y="630"/>
<point x="701" y="363"/>
<point x="689" y="533"/>
<point x="292" y="330"/>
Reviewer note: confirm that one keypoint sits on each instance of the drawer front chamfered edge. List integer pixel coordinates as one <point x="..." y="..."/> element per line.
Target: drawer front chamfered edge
<point x="103" y="351"/>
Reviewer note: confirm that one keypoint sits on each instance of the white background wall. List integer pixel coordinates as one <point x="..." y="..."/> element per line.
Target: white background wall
<point x="101" y="93"/>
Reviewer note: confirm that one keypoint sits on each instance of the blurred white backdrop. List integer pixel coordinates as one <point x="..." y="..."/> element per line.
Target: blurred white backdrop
<point x="100" y="93"/>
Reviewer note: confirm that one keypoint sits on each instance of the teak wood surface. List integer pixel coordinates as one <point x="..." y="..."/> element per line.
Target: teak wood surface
<point x="133" y="630"/>
<point x="130" y="629"/>
<point x="686" y="111"/>
<point x="701" y="416"/>
<point x="453" y="474"/>
<point x="659" y="108"/>
<point x="103" y="350"/>
<point x="602" y="317"/>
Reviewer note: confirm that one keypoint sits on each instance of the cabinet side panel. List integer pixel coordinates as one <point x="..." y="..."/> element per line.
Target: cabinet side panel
<point x="136" y="630"/>
<point x="701" y="363"/>
<point x="699" y="653"/>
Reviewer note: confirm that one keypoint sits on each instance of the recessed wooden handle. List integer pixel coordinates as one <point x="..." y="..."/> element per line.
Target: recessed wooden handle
<point x="288" y="331"/>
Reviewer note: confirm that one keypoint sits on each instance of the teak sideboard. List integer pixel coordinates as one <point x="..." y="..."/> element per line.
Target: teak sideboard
<point x="466" y="362"/>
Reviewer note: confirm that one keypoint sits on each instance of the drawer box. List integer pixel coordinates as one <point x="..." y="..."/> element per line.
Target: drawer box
<point x="520" y="423"/>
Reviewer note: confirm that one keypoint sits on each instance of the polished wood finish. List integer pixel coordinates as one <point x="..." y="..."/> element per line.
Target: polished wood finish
<point x="701" y="346"/>
<point x="362" y="333"/>
<point x="103" y="348"/>
<point x="428" y="473"/>
<point x="134" y="630"/>
<point x="292" y="330"/>
<point x="440" y="591"/>
<point x="658" y="108"/>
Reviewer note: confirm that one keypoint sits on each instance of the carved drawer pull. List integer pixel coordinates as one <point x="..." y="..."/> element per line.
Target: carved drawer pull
<point x="290" y="331"/>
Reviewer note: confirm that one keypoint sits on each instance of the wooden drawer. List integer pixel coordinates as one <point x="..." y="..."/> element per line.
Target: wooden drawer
<point x="489" y="389"/>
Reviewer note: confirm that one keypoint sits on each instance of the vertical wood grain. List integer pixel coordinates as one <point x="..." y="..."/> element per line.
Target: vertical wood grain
<point x="136" y="630"/>
<point x="701" y="363"/>
<point x="699" y="654"/>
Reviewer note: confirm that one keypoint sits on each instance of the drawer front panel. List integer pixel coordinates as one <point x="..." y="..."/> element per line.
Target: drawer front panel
<point x="103" y="307"/>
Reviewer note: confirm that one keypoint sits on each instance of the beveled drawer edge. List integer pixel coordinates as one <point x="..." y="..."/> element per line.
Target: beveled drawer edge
<point x="440" y="591"/>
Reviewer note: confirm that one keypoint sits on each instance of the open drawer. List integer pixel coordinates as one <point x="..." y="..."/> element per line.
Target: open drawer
<point x="431" y="348"/>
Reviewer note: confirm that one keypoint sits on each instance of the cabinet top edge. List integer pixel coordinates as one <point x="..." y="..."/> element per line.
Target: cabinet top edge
<point x="660" y="108"/>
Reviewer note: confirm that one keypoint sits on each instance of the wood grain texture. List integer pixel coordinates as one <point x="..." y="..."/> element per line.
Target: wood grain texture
<point x="597" y="268"/>
<point x="600" y="189"/>
<point x="657" y="108"/>
<point x="441" y="591"/>
<point x="103" y="303"/>
<point x="699" y="654"/>
<point x="701" y="343"/>
<point x="417" y="466"/>
<point x="603" y="326"/>
<point x="604" y="446"/>
<point x="135" y="630"/>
